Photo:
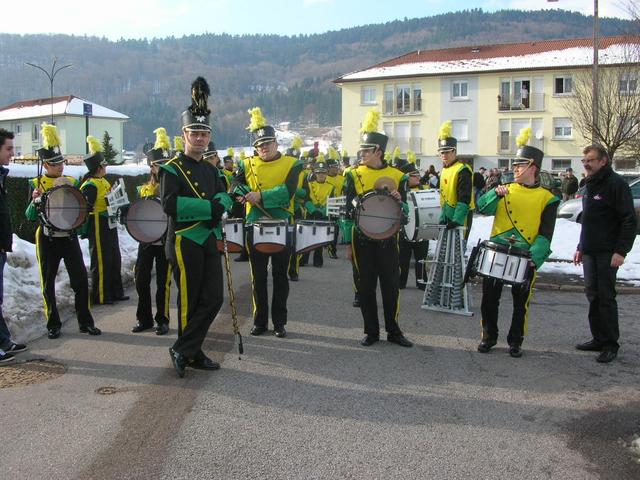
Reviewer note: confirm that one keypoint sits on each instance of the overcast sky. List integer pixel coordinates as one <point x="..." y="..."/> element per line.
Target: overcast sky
<point x="116" y="19"/>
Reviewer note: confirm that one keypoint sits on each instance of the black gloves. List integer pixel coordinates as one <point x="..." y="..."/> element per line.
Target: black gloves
<point x="217" y="210"/>
<point x="452" y="225"/>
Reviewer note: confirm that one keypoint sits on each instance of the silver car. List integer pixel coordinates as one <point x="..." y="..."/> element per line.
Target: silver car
<point x="572" y="209"/>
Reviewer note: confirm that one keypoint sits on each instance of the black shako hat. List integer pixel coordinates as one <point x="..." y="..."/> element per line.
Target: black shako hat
<point x="263" y="135"/>
<point x="157" y="156"/>
<point x="373" y="140"/>
<point x="529" y="154"/>
<point x="51" y="155"/>
<point x="447" y="144"/>
<point x="196" y="116"/>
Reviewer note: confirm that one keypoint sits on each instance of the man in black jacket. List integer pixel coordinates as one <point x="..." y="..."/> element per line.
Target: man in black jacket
<point x="608" y="233"/>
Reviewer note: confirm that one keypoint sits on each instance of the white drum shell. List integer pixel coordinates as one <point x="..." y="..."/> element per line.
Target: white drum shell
<point x="64" y="208"/>
<point x="234" y="232"/>
<point x="270" y="236"/>
<point x="424" y="215"/>
<point x="312" y="234"/>
<point x="509" y="268"/>
<point x="146" y="221"/>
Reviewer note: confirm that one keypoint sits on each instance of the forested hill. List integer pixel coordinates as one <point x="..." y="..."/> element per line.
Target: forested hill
<point x="288" y="76"/>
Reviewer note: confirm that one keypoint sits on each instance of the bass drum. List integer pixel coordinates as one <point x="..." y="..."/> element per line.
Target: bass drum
<point x="424" y="215"/>
<point x="378" y="215"/>
<point x="63" y="208"/>
<point x="146" y="221"/>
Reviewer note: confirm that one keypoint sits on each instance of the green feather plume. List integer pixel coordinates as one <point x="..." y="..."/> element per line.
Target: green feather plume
<point x="50" y="136"/>
<point x="446" y="130"/>
<point x="162" y="139"/>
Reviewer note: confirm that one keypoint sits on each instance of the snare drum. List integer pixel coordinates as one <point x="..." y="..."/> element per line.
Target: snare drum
<point x="378" y="215"/>
<point x="62" y="208"/>
<point x="146" y="221"/>
<point x="509" y="264"/>
<point x="312" y="234"/>
<point x="424" y="215"/>
<point x="234" y="231"/>
<point x="270" y="236"/>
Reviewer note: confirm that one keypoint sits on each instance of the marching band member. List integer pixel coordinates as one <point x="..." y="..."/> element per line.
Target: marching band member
<point x="267" y="183"/>
<point x="316" y="205"/>
<point x="298" y="204"/>
<point x="525" y="217"/>
<point x="346" y="225"/>
<point x="194" y="196"/>
<point x="106" y="279"/>
<point x="53" y="245"/>
<point x="375" y="259"/>
<point x="337" y="180"/>
<point x="456" y="192"/>
<point x="148" y="253"/>
<point x="227" y="164"/>
<point x="420" y="248"/>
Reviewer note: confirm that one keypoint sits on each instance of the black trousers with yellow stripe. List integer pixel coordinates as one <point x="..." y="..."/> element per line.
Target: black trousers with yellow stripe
<point x="147" y="255"/>
<point x="259" y="277"/>
<point x="198" y="273"/>
<point x="50" y="251"/>
<point x="106" y="279"/>
<point x="377" y="260"/>
<point x="491" y="293"/>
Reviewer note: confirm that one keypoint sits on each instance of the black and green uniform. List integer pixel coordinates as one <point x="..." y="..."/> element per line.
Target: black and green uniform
<point x="419" y="250"/>
<point x="524" y="218"/>
<point x="316" y="206"/>
<point x="106" y="279"/>
<point x="194" y="196"/>
<point x="52" y="247"/>
<point x="374" y="259"/>
<point x="148" y="253"/>
<point x="277" y="181"/>
<point x="456" y="196"/>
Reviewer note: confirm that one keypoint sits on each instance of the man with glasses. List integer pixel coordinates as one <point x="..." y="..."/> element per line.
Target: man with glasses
<point x="267" y="183"/>
<point x="607" y="235"/>
<point x="525" y="218"/>
<point x="194" y="198"/>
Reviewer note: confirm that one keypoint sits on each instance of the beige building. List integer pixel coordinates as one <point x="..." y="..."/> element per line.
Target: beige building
<point x="488" y="92"/>
<point x="74" y="118"/>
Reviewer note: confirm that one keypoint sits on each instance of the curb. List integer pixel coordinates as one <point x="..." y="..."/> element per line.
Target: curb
<point x="620" y="289"/>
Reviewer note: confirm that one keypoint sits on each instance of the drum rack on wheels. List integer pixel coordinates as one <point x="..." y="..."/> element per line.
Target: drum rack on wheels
<point x="445" y="290"/>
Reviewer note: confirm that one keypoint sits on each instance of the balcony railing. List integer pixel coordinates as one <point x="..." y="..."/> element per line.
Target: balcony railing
<point x="535" y="103"/>
<point x="412" y="143"/>
<point x="507" y="144"/>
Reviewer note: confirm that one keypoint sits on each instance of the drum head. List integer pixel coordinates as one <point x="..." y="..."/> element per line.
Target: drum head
<point x="379" y="215"/>
<point x="146" y="221"/>
<point x="410" y="228"/>
<point x="498" y="247"/>
<point x="65" y="208"/>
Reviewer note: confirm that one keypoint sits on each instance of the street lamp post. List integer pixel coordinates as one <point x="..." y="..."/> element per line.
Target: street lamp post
<point x="51" y="76"/>
<point x="594" y="95"/>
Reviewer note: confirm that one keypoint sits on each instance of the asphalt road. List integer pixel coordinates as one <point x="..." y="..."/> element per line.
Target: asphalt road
<point x="317" y="405"/>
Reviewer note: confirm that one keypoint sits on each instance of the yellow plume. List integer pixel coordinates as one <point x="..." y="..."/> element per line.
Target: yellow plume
<point x="257" y="119"/>
<point x="305" y="153"/>
<point x="396" y="152"/>
<point x="370" y="123"/>
<point x="50" y="136"/>
<point x="333" y="153"/>
<point x="178" y="143"/>
<point x="242" y="155"/>
<point x="411" y="156"/>
<point x="94" y="144"/>
<point x="344" y="153"/>
<point x="523" y="136"/>
<point x="230" y="152"/>
<point x="446" y="130"/>
<point x="320" y="157"/>
<point x="387" y="156"/>
<point x="297" y="142"/>
<point x="162" y="139"/>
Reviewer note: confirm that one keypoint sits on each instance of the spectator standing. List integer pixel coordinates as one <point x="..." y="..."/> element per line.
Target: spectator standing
<point x="478" y="182"/>
<point x="569" y="185"/>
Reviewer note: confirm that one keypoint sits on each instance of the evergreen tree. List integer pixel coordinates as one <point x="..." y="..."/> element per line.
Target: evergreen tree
<point x="108" y="152"/>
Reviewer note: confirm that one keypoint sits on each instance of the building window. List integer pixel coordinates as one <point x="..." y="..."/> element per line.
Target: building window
<point x="459" y="90"/>
<point x="560" y="163"/>
<point x="563" y="85"/>
<point x="17" y="128"/>
<point x="562" y="128"/>
<point x="460" y="129"/>
<point x="368" y="95"/>
<point x="504" y="163"/>
<point x="515" y="94"/>
<point x="417" y="98"/>
<point x="35" y="132"/>
<point x="388" y="99"/>
<point x="628" y="84"/>
<point x="402" y="99"/>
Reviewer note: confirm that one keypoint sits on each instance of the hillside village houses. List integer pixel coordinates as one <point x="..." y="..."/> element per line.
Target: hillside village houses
<point x="74" y="117"/>
<point x="489" y="92"/>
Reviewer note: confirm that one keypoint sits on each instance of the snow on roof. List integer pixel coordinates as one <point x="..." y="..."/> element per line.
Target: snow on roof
<point x="69" y="105"/>
<point x="524" y="56"/>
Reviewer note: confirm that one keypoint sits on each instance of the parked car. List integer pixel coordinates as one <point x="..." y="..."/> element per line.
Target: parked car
<point x="572" y="209"/>
<point x="547" y="180"/>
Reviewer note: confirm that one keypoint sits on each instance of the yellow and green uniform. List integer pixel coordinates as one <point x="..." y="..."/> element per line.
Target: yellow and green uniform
<point x="525" y="219"/>
<point x="456" y="197"/>
<point x="194" y="197"/>
<point x="338" y="183"/>
<point x="316" y="204"/>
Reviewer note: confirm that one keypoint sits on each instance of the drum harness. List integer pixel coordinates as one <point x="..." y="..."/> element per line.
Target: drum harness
<point x="232" y="296"/>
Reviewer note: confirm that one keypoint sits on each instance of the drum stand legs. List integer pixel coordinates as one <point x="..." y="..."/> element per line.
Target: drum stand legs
<point x="445" y="291"/>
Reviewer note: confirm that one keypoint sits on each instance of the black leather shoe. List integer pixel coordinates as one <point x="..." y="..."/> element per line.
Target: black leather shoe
<point x="356" y="301"/>
<point x="141" y="327"/>
<point x="122" y="298"/>
<point x="399" y="339"/>
<point x="293" y="277"/>
<point x="590" y="346"/>
<point x="90" y="329"/>
<point x="256" y="330"/>
<point x="369" y="340"/>
<point x="280" y="332"/>
<point x="606" y="356"/>
<point x="515" y="351"/>
<point x="333" y="255"/>
<point x="204" y="364"/>
<point x="486" y="345"/>
<point x="162" y="329"/>
<point x="53" y="333"/>
<point x="179" y="362"/>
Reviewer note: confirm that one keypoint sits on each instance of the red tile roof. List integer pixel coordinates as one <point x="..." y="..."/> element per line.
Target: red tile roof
<point x="37" y="102"/>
